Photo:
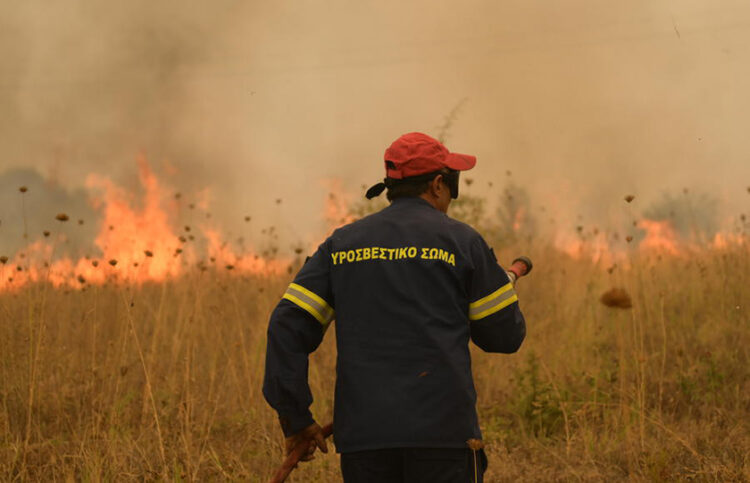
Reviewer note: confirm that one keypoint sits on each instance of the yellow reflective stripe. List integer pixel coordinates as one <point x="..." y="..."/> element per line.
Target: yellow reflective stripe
<point x="311" y="302"/>
<point x="496" y="293"/>
<point x="494" y="308"/>
<point x="312" y="295"/>
<point x="307" y="307"/>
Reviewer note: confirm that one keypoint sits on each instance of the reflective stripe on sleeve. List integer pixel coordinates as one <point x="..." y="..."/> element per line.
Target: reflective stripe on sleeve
<point x="309" y="301"/>
<point x="497" y="300"/>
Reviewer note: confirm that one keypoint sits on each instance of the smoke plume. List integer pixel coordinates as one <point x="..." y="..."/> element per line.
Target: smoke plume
<point x="254" y="102"/>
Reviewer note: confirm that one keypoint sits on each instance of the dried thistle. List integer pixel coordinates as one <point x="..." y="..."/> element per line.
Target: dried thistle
<point x="62" y="217"/>
<point x="628" y="238"/>
<point x="113" y="262"/>
<point x="23" y="189"/>
<point x="616" y="297"/>
<point x="629" y="198"/>
<point x="3" y="259"/>
<point x="229" y="267"/>
<point x="45" y="233"/>
<point x="148" y="253"/>
<point x="187" y="228"/>
<point x="95" y="263"/>
<point x="475" y="444"/>
<point x="81" y="279"/>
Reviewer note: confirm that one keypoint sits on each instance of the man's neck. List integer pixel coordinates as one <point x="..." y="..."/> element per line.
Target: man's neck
<point x="432" y="201"/>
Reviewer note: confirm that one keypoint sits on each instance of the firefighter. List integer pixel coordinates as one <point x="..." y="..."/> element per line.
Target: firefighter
<point x="408" y="287"/>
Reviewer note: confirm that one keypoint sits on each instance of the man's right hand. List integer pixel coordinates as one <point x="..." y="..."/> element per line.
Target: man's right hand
<point x="312" y="436"/>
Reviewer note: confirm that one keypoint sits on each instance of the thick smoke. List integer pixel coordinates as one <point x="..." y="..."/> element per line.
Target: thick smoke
<point x="30" y="216"/>
<point x="583" y="101"/>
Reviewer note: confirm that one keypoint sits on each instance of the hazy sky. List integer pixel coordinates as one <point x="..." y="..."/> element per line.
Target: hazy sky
<point x="583" y="100"/>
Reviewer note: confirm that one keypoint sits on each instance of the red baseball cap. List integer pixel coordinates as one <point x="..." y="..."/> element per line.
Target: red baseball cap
<point x="415" y="153"/>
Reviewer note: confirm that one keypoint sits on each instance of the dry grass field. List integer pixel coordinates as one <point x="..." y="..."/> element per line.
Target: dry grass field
<point x="135" y="296"/>
<point x="163" y="381"/>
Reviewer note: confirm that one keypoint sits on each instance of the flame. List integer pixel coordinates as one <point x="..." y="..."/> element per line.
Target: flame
<point x="223" y="255"/>
<point x="660" y="237"/>
<point x="127" y="234"/>
<point x="596" y="248"/>
<point x="724" y="241"/>
<point x="137" y="244"/>
<point x="138" y="241"/>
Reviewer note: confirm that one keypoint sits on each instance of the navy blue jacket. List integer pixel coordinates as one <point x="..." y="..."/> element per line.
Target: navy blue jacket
<point x="408" y="287"/>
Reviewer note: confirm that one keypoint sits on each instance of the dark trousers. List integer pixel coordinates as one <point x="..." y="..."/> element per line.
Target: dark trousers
<point x="414" y="465"/>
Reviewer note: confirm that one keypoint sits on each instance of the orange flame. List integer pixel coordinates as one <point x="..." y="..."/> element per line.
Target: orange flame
<point x="138" y="241"/>
<point x="137" y="245"/>
<point x="128" y="234"/>
<point x="660" y="237"/>
<point x="597" y="248"/>
<point x="224" y="256"/>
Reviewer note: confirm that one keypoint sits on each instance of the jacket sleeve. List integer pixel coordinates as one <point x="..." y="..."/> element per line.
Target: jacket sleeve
<point x="296" y="329"/>
<point x="495" y="319"/>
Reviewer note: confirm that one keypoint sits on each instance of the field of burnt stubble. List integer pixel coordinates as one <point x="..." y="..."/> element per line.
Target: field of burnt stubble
<point x="162" y="380"/>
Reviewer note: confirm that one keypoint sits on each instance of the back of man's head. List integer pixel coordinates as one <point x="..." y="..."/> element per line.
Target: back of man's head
<point x="413" y="161"/>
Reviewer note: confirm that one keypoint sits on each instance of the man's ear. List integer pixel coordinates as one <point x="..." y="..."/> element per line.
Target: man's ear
<point x="436" y="185"/>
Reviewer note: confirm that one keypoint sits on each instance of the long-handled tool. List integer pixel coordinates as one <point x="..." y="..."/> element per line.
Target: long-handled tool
<point x="520" y="267"/>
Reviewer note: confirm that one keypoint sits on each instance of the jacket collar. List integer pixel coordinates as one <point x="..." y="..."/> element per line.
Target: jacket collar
<point x="411" y="201"/>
